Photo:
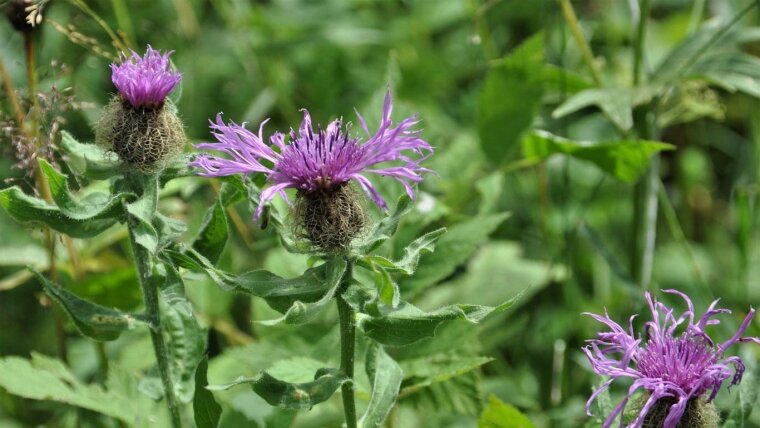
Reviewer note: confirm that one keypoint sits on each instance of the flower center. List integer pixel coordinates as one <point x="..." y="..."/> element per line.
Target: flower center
<point x="683" y="360"/>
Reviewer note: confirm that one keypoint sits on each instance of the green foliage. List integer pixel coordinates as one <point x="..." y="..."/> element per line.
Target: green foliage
<point x="205" y="409"/>
<point x="92" y="320"/>
<point x="45" y="378"/>
<point x="503" y="119"/>
<point x="386" y="376"/>
<point x="625" y="160"/>
<point x="292" y="395"/>
<point x="213" y="234"/>
<point x="500" y="415"/>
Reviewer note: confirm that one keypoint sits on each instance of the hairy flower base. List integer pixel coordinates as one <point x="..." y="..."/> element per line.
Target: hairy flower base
<point x="698" y="413"/>
<point x="144" y="139"/>
<point x="330" y="219"/>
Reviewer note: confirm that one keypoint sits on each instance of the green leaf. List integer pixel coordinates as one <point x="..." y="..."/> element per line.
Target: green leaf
<point x="625" y="160"/>
<point x="386" y="228"/>
<point x="451" y="250"/>
<point x="299" y="299"/>
<point x="142" y="213"/>
<point x="408" y="324"/>
<point x="213" y="234"/>
<point x="616" y="103"/>
<point x="89" y="159"/>
<point x="206" y="410"/>
<point x="461" y="394"/>
<point x="186" y="339"/>
<point x="92" y="320"/>
<point x="510" y="99"/>
<point x="94" y="205"/>
<point x="423" y="372"/>
<point x="407" y="264"/>
<point x="501" y="415"/>
<point x="292" y="395"/>
<point x="385" y="375"/>
<point x="747" y="400"/>
<point x="44" y="378"/>
<point x="31" y="210"/>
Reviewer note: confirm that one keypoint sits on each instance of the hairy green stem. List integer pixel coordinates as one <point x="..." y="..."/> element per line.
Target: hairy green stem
<point x="347" y="347"/>
<point x="143" y="262"/>
<point x="638" y="52"/>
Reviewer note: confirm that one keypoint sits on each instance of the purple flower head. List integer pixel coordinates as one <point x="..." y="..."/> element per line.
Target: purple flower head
<point x="144" y="81"/>
<point x="318" y="159"/>
<point x="678" y="367"/>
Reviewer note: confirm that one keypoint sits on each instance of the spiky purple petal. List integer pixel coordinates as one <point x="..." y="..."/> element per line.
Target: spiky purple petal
<point x="315" y="158"/>
<point x="144" y="81"/>
<point x="680" y="366"/>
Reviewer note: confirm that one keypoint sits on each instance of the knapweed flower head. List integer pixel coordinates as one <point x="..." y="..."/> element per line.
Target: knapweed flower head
<point x="144" y="81"/>
<point x="320" y="163"/>
<point x="140" y="124"/>
<point x="678" y="371"/>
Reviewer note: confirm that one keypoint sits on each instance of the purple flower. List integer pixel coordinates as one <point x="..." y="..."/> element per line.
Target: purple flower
<point x="318" y="159"/>
<point x="678" y="367"/>
<point x="146" y="81"/>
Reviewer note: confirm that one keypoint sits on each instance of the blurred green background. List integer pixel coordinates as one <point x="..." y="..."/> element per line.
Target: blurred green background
<point x="566" y="238"/>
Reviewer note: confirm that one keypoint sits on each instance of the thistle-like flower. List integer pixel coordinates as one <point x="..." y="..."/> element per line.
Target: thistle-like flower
<point x="320" y="163"/>
<point x="140" y="124"/>
<point x="681" y="373"/>
<point x="144" y="81"/>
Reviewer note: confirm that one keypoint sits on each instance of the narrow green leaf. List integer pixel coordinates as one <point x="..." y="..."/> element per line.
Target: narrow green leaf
<point x="186" y="339"/>
<point x="89" y="159"/>
<point x="408" y="324"/>
<point x="386" y="376"/>
<point x="142" y="213"/>
<point x="28" y="209"/>
<point x="616" y="103"/>
<point x="451" y="250"/>
<point x="423" y="372"/>
<point x="292" y="395"/>
<point x="501" y="415"/>
<point x="625" y="160"/>
<point x="206" y="410"/>
<point x="386" y="228"/>
<point x="92" y="320"/>
<point x="510" y="99"/>
<point x="44" y="378"/>
<point x="408" y="262"/>
<point x="213" y="234"/>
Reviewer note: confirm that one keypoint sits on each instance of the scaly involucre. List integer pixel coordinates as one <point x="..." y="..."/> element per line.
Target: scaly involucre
<point x="678" y="367"/>
<point x="318" y="159"/>
<point x="144" y="81"/>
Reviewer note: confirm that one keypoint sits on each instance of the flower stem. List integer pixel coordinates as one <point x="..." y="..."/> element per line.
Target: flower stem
<point x="575" y="29"/>
<point x="143" y="262"/>
<point x="347" y="347"/>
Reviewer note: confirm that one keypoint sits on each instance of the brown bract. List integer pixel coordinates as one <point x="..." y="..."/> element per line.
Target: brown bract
<point x="146" y="139"/>
<point x="330" y="219"/>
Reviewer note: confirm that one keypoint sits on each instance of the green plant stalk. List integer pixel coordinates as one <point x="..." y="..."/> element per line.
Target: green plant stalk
<point x="142" y="259"/>
<point x="124" y="21"/>
<point x="638" y="52"/>
<point x="575" y="30"/>
<point x="347" y="346"/>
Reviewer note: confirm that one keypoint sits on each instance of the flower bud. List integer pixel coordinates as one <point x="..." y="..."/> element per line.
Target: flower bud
<point x="330" y="219"/>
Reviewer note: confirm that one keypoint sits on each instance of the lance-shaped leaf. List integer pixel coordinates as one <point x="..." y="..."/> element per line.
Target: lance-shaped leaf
<point x="206" y="410"/>
<point x="186" y="339"/>
<point x="97" y="204"/>
<point x="386" y="228"/>
<point x="386" y="377"/>
<point x="625" y="160"/>
<point x="213" y="234"/>
<point x="411" y="257"/>
<point x="299" y="299"/>
<point x="89" y="159"/>
<point x="79" y="218"/>
<point x="292" y="395"/>
<point x="142" y="214"/>
<point x="408" y="324"/>
<point x="92" y="320"/>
